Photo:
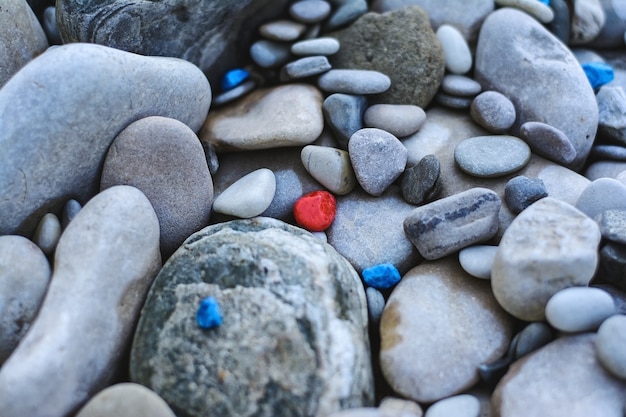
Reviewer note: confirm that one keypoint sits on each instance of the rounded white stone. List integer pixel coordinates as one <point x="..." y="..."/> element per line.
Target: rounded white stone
<point x="400" y="120"/>
<point x="249" y="196"/>
<point x="48" y="233"/>
<point x="126" y="399"/>
<point x="579" y="309"/>
<point x="610" y="343"/>
<point x="478" y="260"/>
<point x="535" y="8"/>
<point x="456" y="51"/>
<point x="464" y="405"/>
<point x="331" y="167"/>
<point x="318" y="46"/>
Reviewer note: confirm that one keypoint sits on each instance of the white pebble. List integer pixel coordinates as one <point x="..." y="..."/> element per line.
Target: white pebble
<point x="579" y="309"/>
<point x="249" y="196"/>
<point x="535" y="8"/>
<point x="456" y="51"/>
<point x="478" y="260"/>
<point x="48" y="233"/>
<point x="610" y="343"/>
<point x="464" y="405"/>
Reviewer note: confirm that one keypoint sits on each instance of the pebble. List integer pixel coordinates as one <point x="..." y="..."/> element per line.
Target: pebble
<point x="532" y="337"/>
<point x="478" y="260"/>
<point x="320" y="46"/>
<point x="331" y="167"/>
<point x="24" y="277"/>
<point x="456" y="51"/>
<point x="315" y="211"/>
<point x="249" y="196"/>
<point x="235" y="93"/>
<point x="47" y="233"/>
<point x="520" y="192"/>
<point x="535" y="8"/>
<point x="381" y="276"/>
<point x="266" y="118"/>
<point x="493" y="111"/>
<point x="588" y="18"/>
<point x="610" y="344"/>
<point x="452" y="223"/>
<point x="548" y="247"/>
<point x="420" y="183"/>
<point x="311" y="11"/>
<point x="612" y="33"/>
<point x="612" y="268"/>
<point x="612" y="113"/>
<point x="458" y="314"/>
<point x="491" y="156"/>
<point x="375" y="306"/>
<point x="464" y="405"/>
<point x="391" y="406"/>
<point x="453" y="102"/>
<point x="49" y="24"/>
<point x="612" y="152"/>
<point x="233" y="78"/>
<point x="613" y="225"/>
<point x="349" y="81"/>
<point x="400" y="120"/>
<point x="345" y="12"/>
<point x="344" y="115"/>
<point x="604" y="169"/>
<point x="209" y="315"/>
<point x="305" y="67"/>
<point x="126" y="399"/>
<point x="270" y="54"/>
<point x="579" y="309"/>
<point x="548" y="141"/>
<point x="70" y="210"/>
<point x="460" y="85"/>
<point x="598" y="73"/>
<point x="560" y="25"/>
<point x="601" y="195"/>
<point x="282" y="30"/>
<point x="378" y="159"/>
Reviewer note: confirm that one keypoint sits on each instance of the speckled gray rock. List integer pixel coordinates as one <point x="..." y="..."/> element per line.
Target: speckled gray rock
<point x="610" y="345"/>
<point x="520" y="192"/>
<point x="613" y="225"/>
<point x="450" y="305"/>
<point x="612" y="268"/>
<point x="612" y="113"/>
<point x="344" y="115"/>
<point x="401" y="45"/>
<point x="126" y="399"/>
<point x="163" y="158"/>
<point x="493" y="111"/>
<point x="24" y="277"/>
<point x="104" y="264"/>
<point x="294" y="332"/>
<point x="491" y="156"/>
<point x="601" y="195"/>
<point x="509" y="41"/>
<point x="420" y="183"/>
<point x="548" y="141"/>
<point x="588" y="18"/>
<point x="62" y="155"/>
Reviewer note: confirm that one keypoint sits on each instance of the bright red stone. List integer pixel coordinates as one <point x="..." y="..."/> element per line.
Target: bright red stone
<point x="315" y="211"/>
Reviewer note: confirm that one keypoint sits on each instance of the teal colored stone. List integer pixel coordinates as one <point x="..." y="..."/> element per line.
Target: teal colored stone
<point x="381" y="276"/>
<point x="233" y="78"/>
<point x="598" y="73"/>
<point x="209" y="314"/>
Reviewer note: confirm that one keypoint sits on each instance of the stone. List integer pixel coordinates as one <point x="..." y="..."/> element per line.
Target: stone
<point x="619" y="296"/>
<point x="249" y="196"/>
<point x="312" y="11"/>
<point x="420" y="183"/>
<point x="493" y="111"/>
<point x="315" y="211"/>
<point x="126" y="399"/>
<point x="375" y="305"/>
<point x="612" y="152"/>
<point x="354" y="81"/>
<point x="391" y="406"/>
<point x="196" y="32"/>
<point x="294" y="325"/>
<point x="453" y="102"/>
<point x="569" y="371"/>
<point x="149" y="154"/>
<point x="70" y="210"/>
<point x="48" y="233"/>
<point x="601" y="195"/>
<point x="381" y="276"/>
<point x="491" y="156"/>
<point x="598" y="73"/>
<point x="520" y="192"/>
<point x="456" y="51"/>
<point x="365" y="238"/>
<point x="270" y="54"/>
<point x="452" y="223"/>
<point x="24" y="277"/>
<point x="331" y="167"/>
<point x="612" y="268"/>
<point x="458" y="314"/>
<point x="478" y="260"/>
<point x="344" y="115"/>
<point x="398" y="119"/>
<point x="378" y="159"/>
<point x="548" y="141"/>
<point x="464" y="405"/>
<point x="287" y="115"/>
<point x="77" y="342"/>
<point x="579" y="309"/>
<point x="49" y="25"/>
<point x="282" y="30"/>
<point x="233" y="94"/>
<point x="604" y="169"/>
<point x="63" y="155"/>
<point x="612" y="33"/>
<point x="21" y="38"/>
<point x="540" y="11"/>
<point x="305" y="67"/>
<point x="514" y="48"/>
<point x="345" y="12"/>
<point x="460" y="85"/>
<point x="560" y="25"/>
<point x="612" y="113"/>
<point x="610" y="345"/>
<point x="532" y="337"/>
<point x="318" y="46"/>
<point x="588" y="18"/>
<point x="399" y="44"/>
<point x="548" y="247"/>
<point x="613" y="225"/>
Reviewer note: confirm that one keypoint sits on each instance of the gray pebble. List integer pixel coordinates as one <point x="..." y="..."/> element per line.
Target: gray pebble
<point x="375" y="305"/>
<point x="464" y="405"/>
<point x="613" y="225"/>
<point x="604" y="169"/>
<point x="453" y="102"/>
<point x="456" y="51"/>
<point x="560" y="25"/>
<point x="269" y="54"/>
<point x="235" y="93"/>
<point x="460" y="85"/>
<point x="345" y="12"/>
<point x="612" y="113"/>
<point x="70" y="210"/>
<point x="420" y="183"/>
<point x="319" y="46"/>
<point x="211" y="157"/>
<point x="49" y="24"/>
<point x="397" y="407"/>
<point x="126" y="399"/>
<point x="612" y="152"/>
<point x="478" y="260"/>
<point x="532" y="337"/>
<point x="537" y="9"/>
<point x="491" y="156"/>
<point x="48" y="233"/>
<point x="354" y="81"/>
<point x="601" y="195"/>
<point x="520" y="192"/>
<point x="344" y="115"/>
<point x="305" y="67"/>
<point x="610" y="344"/>
<point x="579" y="309"/>
<point x="400" y="120"/>
<point x="282" y="30"/>
<point x="493" y="111"/>
<point x="612" y="268"/>
<point x="548" y="141"/>
<point x="310" y="11"/>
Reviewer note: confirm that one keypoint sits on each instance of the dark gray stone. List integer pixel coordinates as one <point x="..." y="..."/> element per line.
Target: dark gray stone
<point x="520" y="192"/>
<point x="294" y="326"/>
<point x="420" y="183"/>
<point x="532" y="337"/>
<point x="613" y="225"/>
<point x="612" y="33"/>
<point x="612" y="113"/>
<point x="270" y="54"/>
<point x="344" y="115"/>
<point x="612" y="267"/>
<point x="305" y="67"/>
<point x="611" y="152"/>
<point x="70" y="210"/>
<point x="548" y="141"/>
<point x="560" y="25"/>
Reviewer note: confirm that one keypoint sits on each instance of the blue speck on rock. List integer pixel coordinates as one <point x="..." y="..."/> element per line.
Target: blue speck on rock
<point x="381" y="276"/>
<point x="209" y="314"/>
<point x="233" y="78"/>
<point x="598" y="73"/>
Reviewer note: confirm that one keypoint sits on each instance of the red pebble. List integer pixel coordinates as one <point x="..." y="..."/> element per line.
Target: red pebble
<point x="315" y="211"/>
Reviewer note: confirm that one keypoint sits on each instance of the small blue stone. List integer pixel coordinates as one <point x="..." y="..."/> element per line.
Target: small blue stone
<point x="381" y="276"/>
<point x="598" y="73"/>
<point x="546" y="2"/>
<point x="233" y="78"/>
<point x="209" y="315"/>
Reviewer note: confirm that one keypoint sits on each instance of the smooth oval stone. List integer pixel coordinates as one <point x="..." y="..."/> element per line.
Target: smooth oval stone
<point x="456" y="51"/>
<point x="378" y="159"/>
<point x="604" y="169"/>
<point x="319" y="46"/>
<point x="311" y="11"/>
<point x="70" y="210"/>
<point x="548" y="247"/>
<point x="399" y="406"/>
<point x="588" y="18"/>
<point x="148" y="155"/>
<point x="233" y="94"/>
<point x="420" y="183"/>
<point x="344" y="115"/>
<point x="579" y="309"/>
<point x="293" y="311"/>
<point x="460" y="85"/>
<point x="375" y="305"/>
<point x="610" y="345"/>
<point x="453" y="102"/>
<point x="86" y="321"/>
<point x="601" y="195"/>
<point x="287" y="115"/>
<point x="398" y="119"/>
<point x="449" y="224"/>
<point x="464" y="405"/>
<point x="270" y="54"/>
<point x="126" y="399"/>
<point x="49" y="24"/>
<point x="349" y="81"/>
<point x="449" y="304"/>
<point x="478" y="260"/>
<point x="532" y="337"/>
<point x="493" y="111"/>
<point x="491" y="156"/>
<point x="305" y="67"/>
<point x="63" y="156"/>
<point x="542" y="12"/>
<point x="520" y="192"/>
<point x="344" y="13"/>
<point x="249" y="196"/>
<point x="548" y="141"/>
<point x="331" y="167"/>
<point x="24" y="277"/>
<point x="612" y="152"/>
<point x="48" y="233"/>
<point x="282" y="30"/>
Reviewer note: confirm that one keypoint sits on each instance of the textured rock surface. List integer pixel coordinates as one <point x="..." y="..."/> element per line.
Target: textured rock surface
<point x="294" y="333"/>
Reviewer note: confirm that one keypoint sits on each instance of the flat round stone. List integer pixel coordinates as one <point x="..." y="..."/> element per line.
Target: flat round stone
<point x="282" y="30"/>
<point x="305" y="67"/>
<point x="249" y="196"/>
<point x="453" y="102"/>
<point x="400" y="120"/>
<point x="548" y="141"/>
<point x="537" y="9"/>
<point x="478" y="260"/>
<point x="460" y="85"/>
<point x="491" y="156"/>
<point x="269" y="54"/>
<point x="319" y="46"/>
<point x="235" y="93"/>
<point x="493" y="111"/>
<point x="349" y="81"/>
<point x="464" y="405"/>
<point x="310" y="11"/>
<point x="579" y="309"/>
<point x="456" y="51"/>
<point x="610" y="344"/>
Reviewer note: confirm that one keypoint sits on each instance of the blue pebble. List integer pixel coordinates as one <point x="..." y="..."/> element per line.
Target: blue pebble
<point x="233" y="78"/>
<point x="598" y="73"/>
<point x="381" y="276"/>
<point x="209" y="315"/>
<point x="546" y="2"/>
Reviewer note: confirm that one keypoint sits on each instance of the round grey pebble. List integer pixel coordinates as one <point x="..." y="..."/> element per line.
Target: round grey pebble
<point x="344" y="115"/>
<point x="579" y="309"/>
<point x="350" y="81"/>
<point x="70" y="210"/>
<point x="601" y="195"/>
<point x="460" y="85"/>
<point x="548" y="141"/>
<point x="453" y="102"/>
<point x="610" y="343"/>
<point x="532" y="337"/>
<point x="493" y="111"/>
<point x="235" y="93"/>
<point x="269" y="54"/>
<point x="375" y="305"/>
<point x="346" y="12"/>
<point x="613" y="225"/>
<point x="48" y="233"/>
<point x="420" y="183"/>
<point x="478" y="260"/>
<point x="305" y="67"/>
<point x="464" y="405"/>
<point x="282" y="30"/>
<point x="310" y="11"/>
<point x="613" y="152"/>
<point x="491" y="156"/>
<point x="400" y="120"/>
<point x="319" y="46"/>
<point x="520" y="192"/>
